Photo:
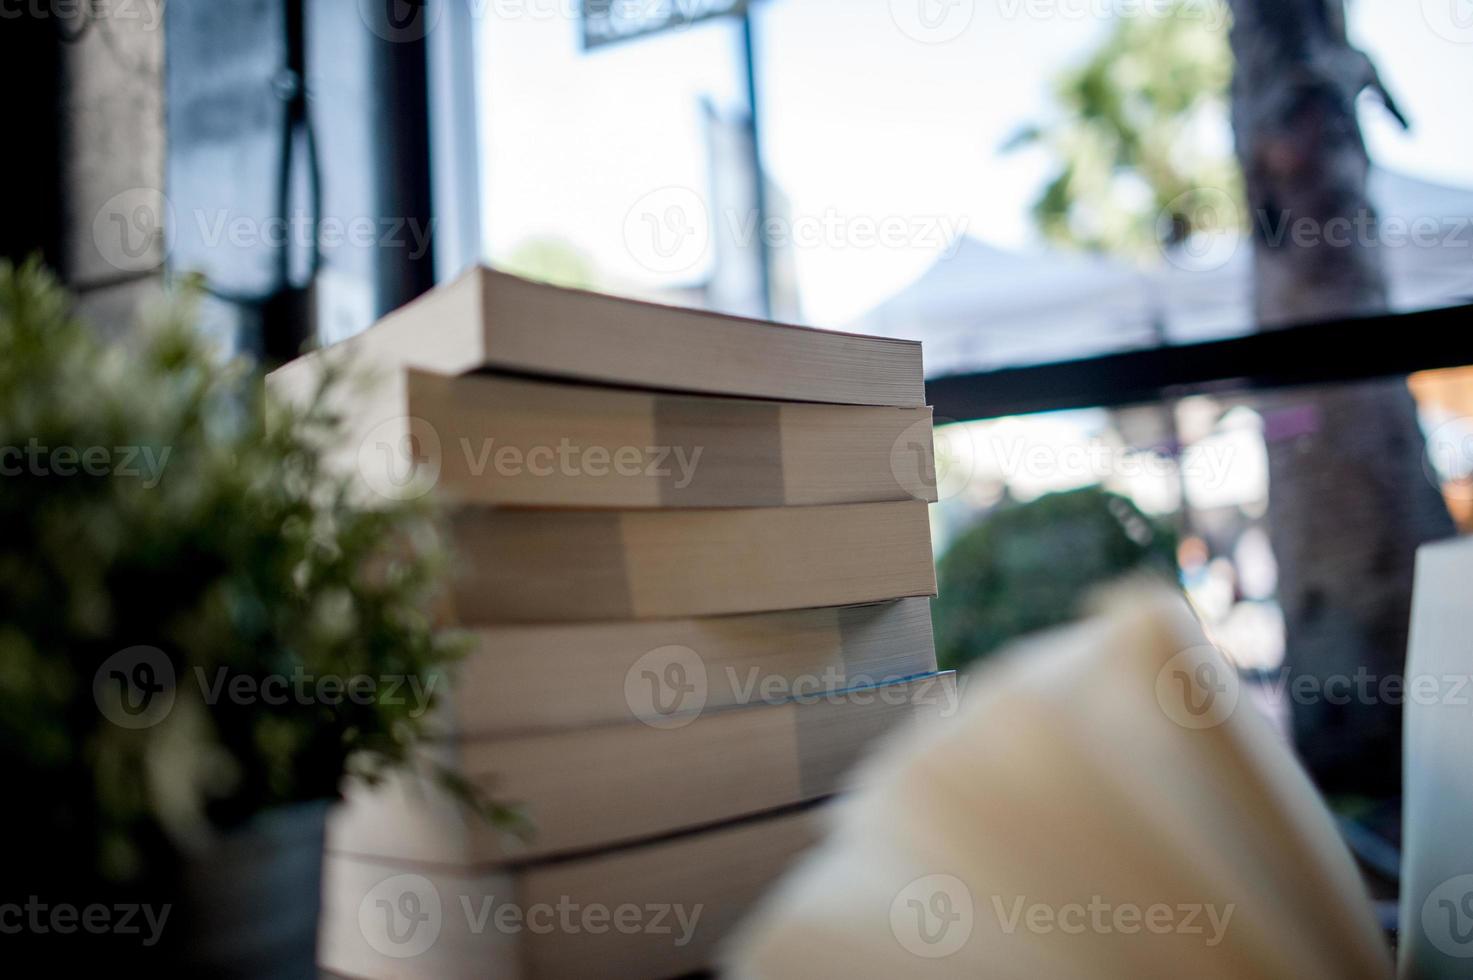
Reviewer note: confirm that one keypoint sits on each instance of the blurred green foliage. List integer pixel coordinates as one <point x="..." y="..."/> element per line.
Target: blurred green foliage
<point x="1138" y="167"/>
<point x="215" y="534"/>
<point x="551" y="260"/>
<point x="1026" y="567"/>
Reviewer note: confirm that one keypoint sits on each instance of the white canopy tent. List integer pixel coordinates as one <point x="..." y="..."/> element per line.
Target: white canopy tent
<point x="983" y="307"/>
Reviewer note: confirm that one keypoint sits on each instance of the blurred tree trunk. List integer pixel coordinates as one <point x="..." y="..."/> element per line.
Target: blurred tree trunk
<point x="1350" y="499"/>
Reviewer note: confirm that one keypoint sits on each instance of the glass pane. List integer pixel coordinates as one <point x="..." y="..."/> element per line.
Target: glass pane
<point x="913" y="168"/>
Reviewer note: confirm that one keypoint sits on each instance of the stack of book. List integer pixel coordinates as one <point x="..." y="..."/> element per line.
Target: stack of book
<point x="694" y="555"/>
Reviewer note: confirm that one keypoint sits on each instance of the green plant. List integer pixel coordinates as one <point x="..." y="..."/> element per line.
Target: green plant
<point x="197" y="622"/>
<point x="1136" y="167"/>
<point x="552" y="260"/>
<point x="1026" y="567"/>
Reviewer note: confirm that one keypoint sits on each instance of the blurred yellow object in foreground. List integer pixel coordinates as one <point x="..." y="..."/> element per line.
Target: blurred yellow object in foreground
<point x="1104" y="804"/>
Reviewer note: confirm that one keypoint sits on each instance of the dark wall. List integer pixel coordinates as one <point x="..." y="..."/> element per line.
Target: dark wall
<point x="30" y="168"/>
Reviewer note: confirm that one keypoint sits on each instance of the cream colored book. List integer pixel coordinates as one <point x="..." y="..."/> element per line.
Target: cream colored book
<point x="679" y="768"/>
<point x="1107" y="803"/>
<point x="548" y="677"/>
<point x="493" y="439"/>
<point x="489" y="320"/>
<point x="559" y="566"/>
<point x="657" y="910"/>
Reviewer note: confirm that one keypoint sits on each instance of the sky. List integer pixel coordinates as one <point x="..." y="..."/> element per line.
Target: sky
<point x="881" y="123"/>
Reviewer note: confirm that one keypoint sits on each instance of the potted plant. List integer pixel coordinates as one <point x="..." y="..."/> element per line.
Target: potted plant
<point x="202" y="636"/>
<point x="1030" y="566"/>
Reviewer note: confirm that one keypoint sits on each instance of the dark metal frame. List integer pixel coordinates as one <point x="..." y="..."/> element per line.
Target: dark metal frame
<point x="1316" y="353"/>
<point x="400" y="83"/>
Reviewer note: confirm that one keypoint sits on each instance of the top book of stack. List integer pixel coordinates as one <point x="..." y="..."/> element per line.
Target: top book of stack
<point x="486" y="320"/>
